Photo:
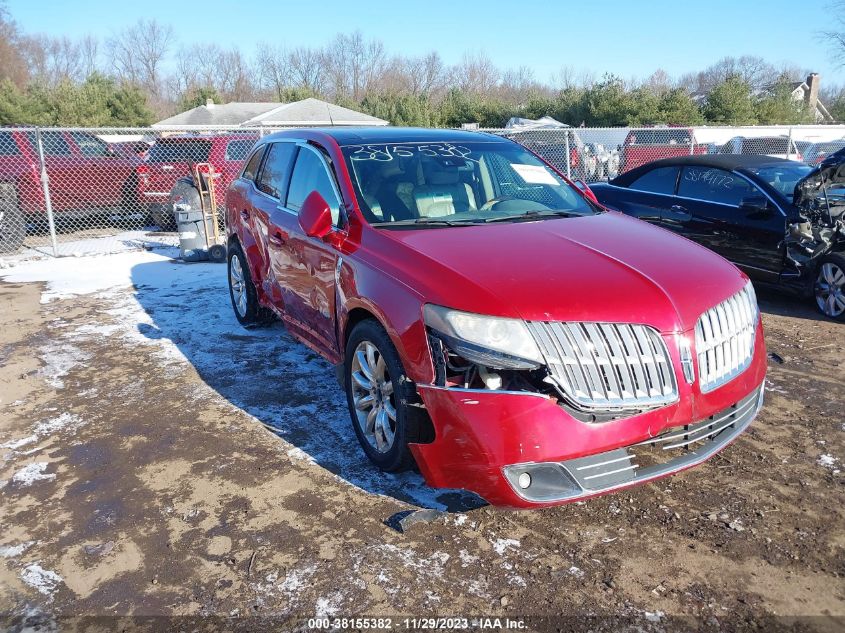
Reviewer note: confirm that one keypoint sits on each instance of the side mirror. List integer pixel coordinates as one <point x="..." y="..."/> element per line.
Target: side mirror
<point x="315" y="216"/>
<point x="585" y="189"/>
<point x="755" y="207"/>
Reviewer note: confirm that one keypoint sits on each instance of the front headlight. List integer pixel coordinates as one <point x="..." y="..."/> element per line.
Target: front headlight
<point x="752" y="300"/>
<point x="490" y="341"/>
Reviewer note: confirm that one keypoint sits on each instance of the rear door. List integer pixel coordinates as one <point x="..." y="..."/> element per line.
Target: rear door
<point x="751" y="239"/>
<point x="272" y="222"/>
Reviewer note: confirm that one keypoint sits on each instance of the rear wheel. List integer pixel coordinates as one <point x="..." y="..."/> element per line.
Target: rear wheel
<point x="248" y="311"/>
<point x="378" y="394"/>
<point x="830" y="286"/>
<point x="12" y="223"/>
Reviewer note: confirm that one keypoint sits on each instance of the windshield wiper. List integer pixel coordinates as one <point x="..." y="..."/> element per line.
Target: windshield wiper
<point x="534" y="215"/>
<point x="437" y="221"/>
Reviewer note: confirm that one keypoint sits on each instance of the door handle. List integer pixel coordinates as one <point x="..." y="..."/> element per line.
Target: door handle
<point x="278" y="238"/>
<point x="678" y="208"/>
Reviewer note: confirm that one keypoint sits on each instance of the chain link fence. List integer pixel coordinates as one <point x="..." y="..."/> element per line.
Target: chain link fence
<point x="75" y="191"/>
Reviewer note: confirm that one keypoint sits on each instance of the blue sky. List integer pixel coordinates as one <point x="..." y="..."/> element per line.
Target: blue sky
<point x="630" y="39"/>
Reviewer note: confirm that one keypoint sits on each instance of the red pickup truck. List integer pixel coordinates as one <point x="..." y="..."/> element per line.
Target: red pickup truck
<point x="171" y="157"/>
<point x="86" y="178"/>
<point x="644" y="145"/>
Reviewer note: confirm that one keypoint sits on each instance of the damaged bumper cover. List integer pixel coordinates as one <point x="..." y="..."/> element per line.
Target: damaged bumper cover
<point x="487" y="441"/>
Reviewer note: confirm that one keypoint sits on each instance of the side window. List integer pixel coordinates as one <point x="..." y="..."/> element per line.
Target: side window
<point x="311" y="174"/>
<point x="251" y="168"/>
<point x="90" y="145"/>
<point x="660" y="180"/>
<point x="238" y="150"/>
<point x="714" y="185"/>
<point x="273" y="179"/>
<point x="54" y="143"/>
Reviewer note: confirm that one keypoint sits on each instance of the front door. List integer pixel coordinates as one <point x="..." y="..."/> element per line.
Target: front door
<point x="309" y="274"/>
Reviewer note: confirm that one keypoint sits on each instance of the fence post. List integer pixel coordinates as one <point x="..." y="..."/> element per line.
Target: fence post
<point x="568" y="165"/>
<point x="789" y="144"/>
<point x="45" y="187"/>
<point x="692" y="142"/>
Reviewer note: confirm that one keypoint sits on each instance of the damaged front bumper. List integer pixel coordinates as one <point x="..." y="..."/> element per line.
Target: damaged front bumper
<point x="487" y="441"/>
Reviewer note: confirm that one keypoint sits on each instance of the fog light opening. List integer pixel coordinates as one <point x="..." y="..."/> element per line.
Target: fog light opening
<point x="524" y="480"/>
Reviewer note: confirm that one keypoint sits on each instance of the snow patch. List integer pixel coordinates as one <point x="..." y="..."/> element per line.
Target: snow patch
<point x="59" y="359"/>
<point x="31" y="473"/>
<point x="829" y="461"/>
<point x="502" y="545"/>
<point x="66" y="421"/>
<point x="44" y="580"/>
<point x="13" y="551"/>
<point x="325" y="608"/>
<point x="16" y="444"/>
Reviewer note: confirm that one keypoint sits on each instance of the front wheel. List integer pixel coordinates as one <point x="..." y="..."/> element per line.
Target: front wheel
<point x="12" y="223"/>
<point x="378" y="394"/>
<point x="830" y="287"/>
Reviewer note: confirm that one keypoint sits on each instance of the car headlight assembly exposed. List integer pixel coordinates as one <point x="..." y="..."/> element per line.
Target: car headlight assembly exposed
<point x="494" y="342"/>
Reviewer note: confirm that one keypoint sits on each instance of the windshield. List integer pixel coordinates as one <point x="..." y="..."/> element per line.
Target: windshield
<point x="414" y="184"/>
<point x="782" y="177"/>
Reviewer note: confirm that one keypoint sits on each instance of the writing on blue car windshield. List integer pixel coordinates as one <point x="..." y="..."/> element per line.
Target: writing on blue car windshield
<point x="782" y="176"/>
<point x="448" y="184"/>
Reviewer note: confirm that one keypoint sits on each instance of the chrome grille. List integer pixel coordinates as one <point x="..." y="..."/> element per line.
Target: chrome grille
<point x="607" y="365"/>
<point x="724" y="339"/>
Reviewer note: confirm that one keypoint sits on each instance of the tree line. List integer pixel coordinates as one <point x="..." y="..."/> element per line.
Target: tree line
<point x="142" y="74"/>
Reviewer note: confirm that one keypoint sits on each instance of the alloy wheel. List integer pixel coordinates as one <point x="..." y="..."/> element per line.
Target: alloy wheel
<point x="830" y="289"/>
<point x="238" y="284"/>
<point x="372" y="396"/>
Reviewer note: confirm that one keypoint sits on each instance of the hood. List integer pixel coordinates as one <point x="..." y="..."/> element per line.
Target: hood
<point x="606" y="267"/>
<point x="830" y="173"/>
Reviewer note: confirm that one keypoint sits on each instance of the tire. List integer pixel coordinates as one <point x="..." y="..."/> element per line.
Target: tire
<point x="388" y="389"/>
<point x="248" y="311"/>
<point x="12" y="222"/>
<point x="829" y="288"/>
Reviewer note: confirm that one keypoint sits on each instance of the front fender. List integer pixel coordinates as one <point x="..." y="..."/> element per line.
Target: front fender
<point x="396" y="306"/>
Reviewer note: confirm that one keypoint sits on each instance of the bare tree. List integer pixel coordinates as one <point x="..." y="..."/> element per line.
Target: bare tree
<point x="138" y="52"/>
<point x="274" y="68"/>
<point x="835" y="36"/>
<point x="13" y="64"/>
<point x="476" y="74"/>
<point x="307" y="70"/>
<point x="353" y="65"/>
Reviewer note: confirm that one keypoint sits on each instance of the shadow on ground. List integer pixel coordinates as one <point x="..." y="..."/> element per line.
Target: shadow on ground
<point x="267" y="374"/>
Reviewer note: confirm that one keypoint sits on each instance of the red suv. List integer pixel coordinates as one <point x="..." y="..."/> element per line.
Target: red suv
<point x="171" y="157"/>
<point x="86" y="177"/>
<point x="644" y="145"/>
<point x="489" y="322"/>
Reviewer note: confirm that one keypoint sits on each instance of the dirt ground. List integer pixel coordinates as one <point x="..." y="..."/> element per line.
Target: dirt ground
<point x="149" y="467"/>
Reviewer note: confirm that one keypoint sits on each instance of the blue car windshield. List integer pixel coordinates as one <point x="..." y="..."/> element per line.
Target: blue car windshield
<point x="447" y="183"/>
